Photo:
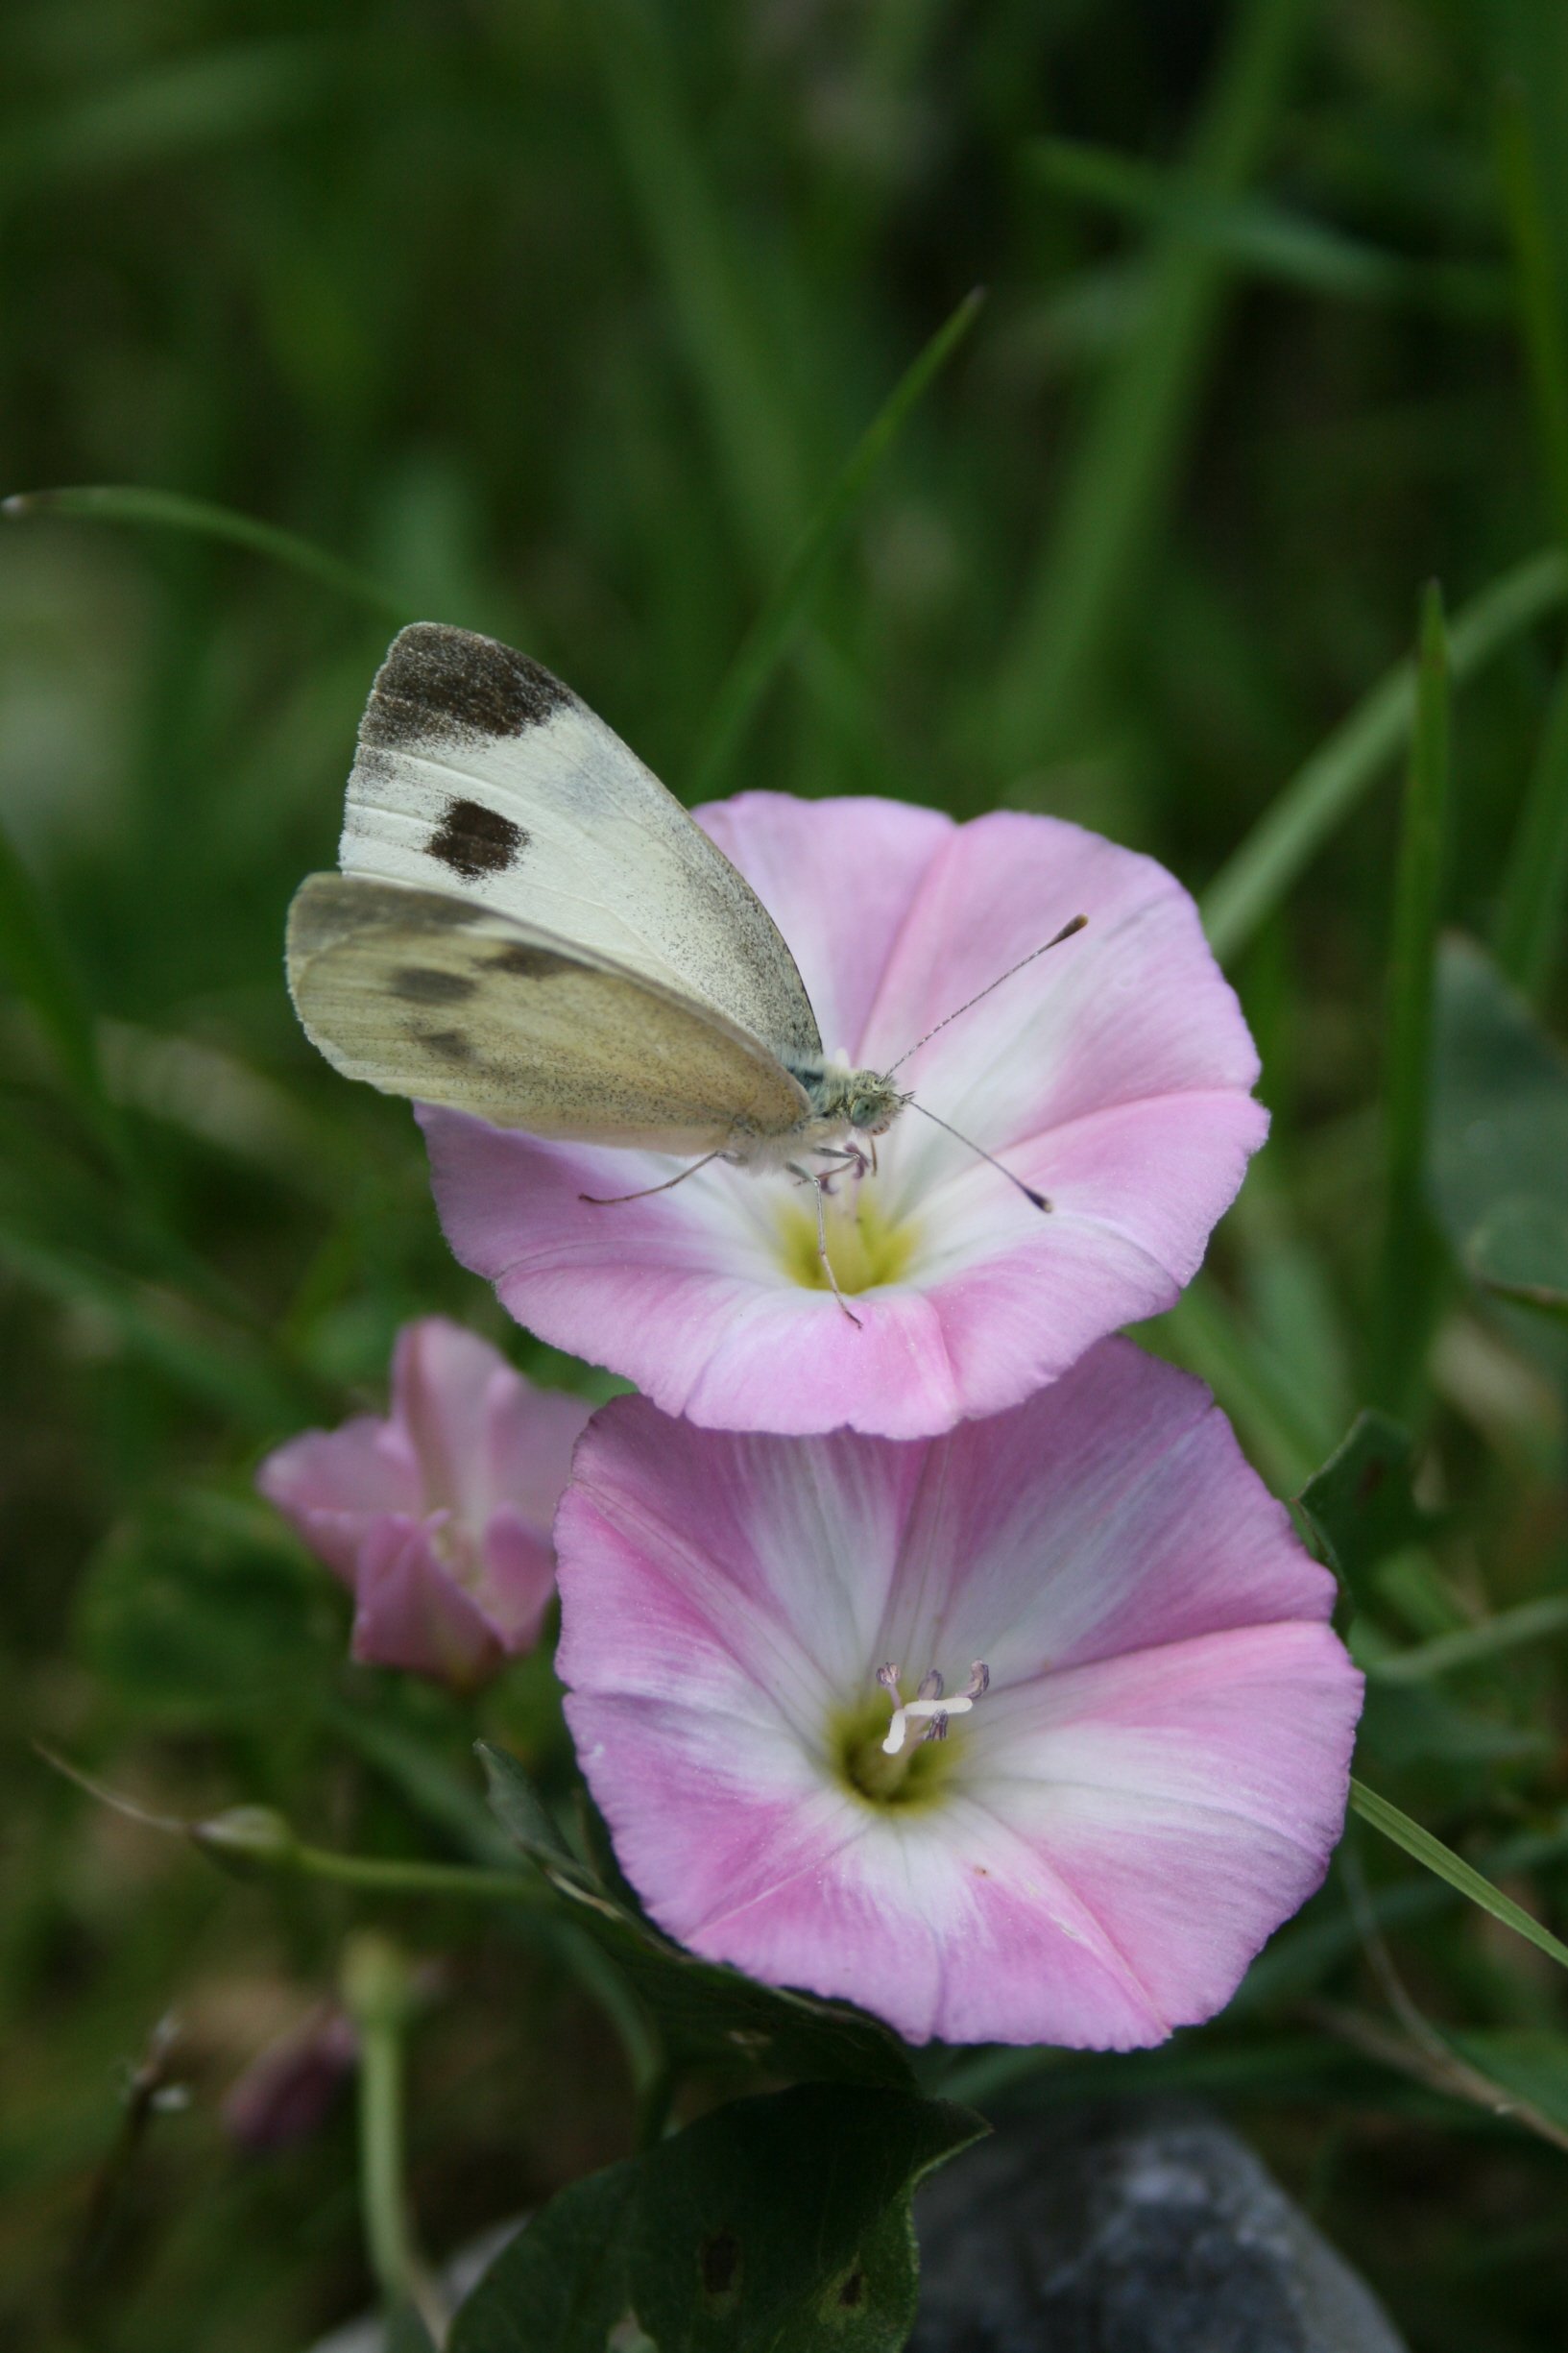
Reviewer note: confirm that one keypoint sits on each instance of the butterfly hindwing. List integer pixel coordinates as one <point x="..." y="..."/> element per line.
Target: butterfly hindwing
<point x="426" y="994"/>
<point x="479" y="773"/>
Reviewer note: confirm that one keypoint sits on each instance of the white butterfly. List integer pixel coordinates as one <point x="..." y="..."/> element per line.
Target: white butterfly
<point x="528" y="927"/>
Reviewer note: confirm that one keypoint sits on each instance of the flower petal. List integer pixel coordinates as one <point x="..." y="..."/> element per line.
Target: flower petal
<point x="840" y="878"/>
<point x="516" y="1577"/>
<point x="524" y="1446"/>
<point x="411" y="1612"/>
<point x="442" y="1379"/>
<point x="1219" y="1765"/>
<point x="328" y="1484"/>
<point x="1113" y="1514"/>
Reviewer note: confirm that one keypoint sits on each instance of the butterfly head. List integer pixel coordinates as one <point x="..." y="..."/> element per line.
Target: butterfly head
<point x="863" y="1101"/>
<point x="875" y="1104"/>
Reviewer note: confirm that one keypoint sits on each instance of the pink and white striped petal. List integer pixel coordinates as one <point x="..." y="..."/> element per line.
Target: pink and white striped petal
<point x="1151" y="1776"/>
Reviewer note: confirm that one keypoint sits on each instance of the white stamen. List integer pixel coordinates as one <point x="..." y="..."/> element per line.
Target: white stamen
<point x="930" y="1709"/>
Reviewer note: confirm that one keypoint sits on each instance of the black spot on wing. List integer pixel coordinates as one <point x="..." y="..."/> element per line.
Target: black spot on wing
<point x="437" y="683"/>
<point x="418" y="984"/>
<point x="450" y="1044"/>
<point x="526" y="964"/>
<point x="474" y="840"/>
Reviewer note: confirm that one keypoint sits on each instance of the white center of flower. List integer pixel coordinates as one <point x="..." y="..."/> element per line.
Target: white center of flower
<point x="928" y="1708"/>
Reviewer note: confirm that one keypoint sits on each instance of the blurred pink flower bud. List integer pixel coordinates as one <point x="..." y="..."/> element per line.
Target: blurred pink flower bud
<point x="437" y="1519"/>
<point x="285" y="2093"/>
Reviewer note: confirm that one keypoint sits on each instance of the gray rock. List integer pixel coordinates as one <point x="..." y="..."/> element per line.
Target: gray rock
<point x="1133" y="2227"/>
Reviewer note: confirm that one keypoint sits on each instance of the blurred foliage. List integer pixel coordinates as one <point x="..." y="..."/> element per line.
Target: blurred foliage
<point x="564" y="320"/>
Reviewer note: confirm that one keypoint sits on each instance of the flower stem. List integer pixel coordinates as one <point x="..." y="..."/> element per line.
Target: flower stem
<point x="379" y="1996"/>
<point x="252" y="1837"/>
<point x="398" y="1877"/>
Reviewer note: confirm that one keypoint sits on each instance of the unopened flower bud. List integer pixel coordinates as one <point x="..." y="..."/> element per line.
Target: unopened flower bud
<point x="246" y="1839"/>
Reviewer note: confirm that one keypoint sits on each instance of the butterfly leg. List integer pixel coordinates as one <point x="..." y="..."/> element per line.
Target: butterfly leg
<point x="819" y="1186"/>
<point x="613" y="1201"/>
<point x="852" y="1162"/>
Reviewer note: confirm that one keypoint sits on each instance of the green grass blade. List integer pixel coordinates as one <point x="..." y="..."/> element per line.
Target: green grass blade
<point x="39" y="967"/>
<point x="1410" y="1263"/>
<point x="1323" y="792"/>
<point x="1265" y="239"/>
<point x="1125" y="469"/>
<point x="230" y="1379"/>
<point x="772" y="632"/>
<point x="172" y="510"/>
<point x="1533" y="1621"/>
<point x="1537" y="292"/>
<point x="209" y="98"/>
<point x="1447" y="1865"/>
<point x="738" y="374"/>
<point x="1530" y="923"/>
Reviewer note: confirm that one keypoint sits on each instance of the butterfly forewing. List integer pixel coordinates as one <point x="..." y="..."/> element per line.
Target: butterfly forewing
<point x="424" y="994"/>
<point x="479" y="773"/>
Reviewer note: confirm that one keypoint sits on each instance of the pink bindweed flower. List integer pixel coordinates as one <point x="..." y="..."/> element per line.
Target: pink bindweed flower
<point x="437" y="1519"/>
<point x="1112" y="1075"/>
<point x="1032" y="1732"/>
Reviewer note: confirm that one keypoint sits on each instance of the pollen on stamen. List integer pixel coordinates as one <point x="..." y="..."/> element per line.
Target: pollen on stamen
<point x="928" y="1708"/>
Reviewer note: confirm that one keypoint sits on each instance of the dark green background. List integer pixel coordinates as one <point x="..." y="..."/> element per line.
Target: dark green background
<point x="558" y="320"/>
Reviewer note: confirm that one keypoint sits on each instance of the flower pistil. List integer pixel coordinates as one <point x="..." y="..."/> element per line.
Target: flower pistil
<point x="929" y="1705"/>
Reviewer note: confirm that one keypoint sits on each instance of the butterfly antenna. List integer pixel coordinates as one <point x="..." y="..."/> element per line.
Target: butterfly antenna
<point x="1066" y="932"/>
<point x="1029" y="1192"/>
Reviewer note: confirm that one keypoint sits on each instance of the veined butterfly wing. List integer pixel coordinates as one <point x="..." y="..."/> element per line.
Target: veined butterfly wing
<point x="424" y="994"/>
<point x="479" y="773"/>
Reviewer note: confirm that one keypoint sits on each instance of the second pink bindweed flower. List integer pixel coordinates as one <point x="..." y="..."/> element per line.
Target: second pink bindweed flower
<point x="438" y="1517"/>
<point x="1032" y="1732"/>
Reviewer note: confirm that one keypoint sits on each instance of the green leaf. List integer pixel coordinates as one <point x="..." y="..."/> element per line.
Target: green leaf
<point x="702" y="2008"/>
<point x="172" y="510"/>
<point x="1500" y="1133"/>
<point x="780" y="2223"/>
<point x="1520" y="1251"/>
<point x="1447" y="1865"/>
<point x="417" y="1762"/>
<point x="1530" y="2062"/>
<point x="520" y="1809"/>
<point x="406" y="2332"/>
<point x="1258" y="876"/>
<point x="200" y="1612"/>
<point x="1359" y="1505"/>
